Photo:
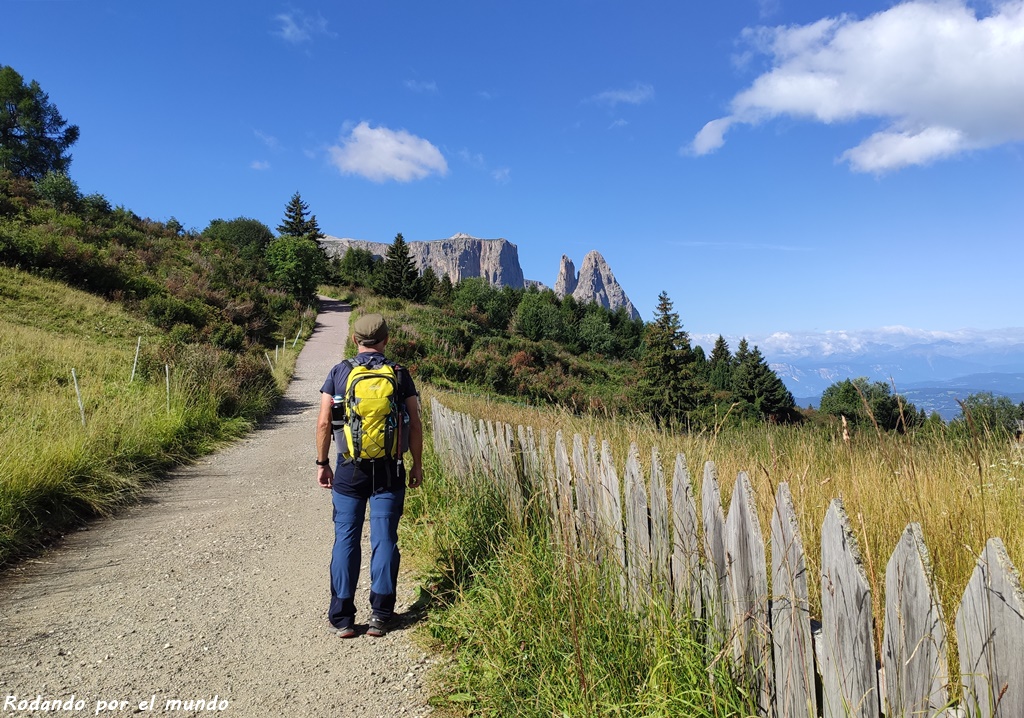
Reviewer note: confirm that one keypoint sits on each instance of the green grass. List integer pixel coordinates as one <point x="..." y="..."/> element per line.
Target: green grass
<point x="961" y="491"/>
<point x="530" y="636"/>
<point x="55" y="472"/>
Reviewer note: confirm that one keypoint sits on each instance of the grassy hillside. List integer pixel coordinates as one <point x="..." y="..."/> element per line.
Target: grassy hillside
<point x="54" y="471"/>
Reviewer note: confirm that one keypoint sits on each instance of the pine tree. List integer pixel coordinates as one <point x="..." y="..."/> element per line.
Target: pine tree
<point x="720" y="366"/>
<point x="294" y="223"/>
<point x="444" y="291"/>
<point x="398" y="274"/>
<point x="667" y="387"/>
<point x="754" y="382"/>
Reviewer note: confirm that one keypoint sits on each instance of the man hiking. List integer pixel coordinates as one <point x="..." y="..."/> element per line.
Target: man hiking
<point x="371" y="408"/>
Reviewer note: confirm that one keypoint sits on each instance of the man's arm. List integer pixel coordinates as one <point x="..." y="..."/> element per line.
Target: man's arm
<point x="412" y="405"/>
<point x="324" y="430"/>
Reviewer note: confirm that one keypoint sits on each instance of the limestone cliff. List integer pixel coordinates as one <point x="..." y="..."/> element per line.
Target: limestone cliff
<point x="497" y="260"/>
<point x="594" y="283"/>
<point x="566" y="282"/>
<point x="460" y="257"/>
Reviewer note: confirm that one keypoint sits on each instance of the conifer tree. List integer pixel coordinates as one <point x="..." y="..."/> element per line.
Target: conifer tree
<point x="754" y="382"/>
<point x="667" y="387"/>
<point x="295" y="223"/>
<point x="398" y="275"/>
<point x="720" y="366"/>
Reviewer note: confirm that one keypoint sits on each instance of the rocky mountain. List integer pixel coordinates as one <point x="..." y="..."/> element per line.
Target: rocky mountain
<point x="594" y="283"/>
<point x="460" y="257"/>
<point x="497" y="260"/>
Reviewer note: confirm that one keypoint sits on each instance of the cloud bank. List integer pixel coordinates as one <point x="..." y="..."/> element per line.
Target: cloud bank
<point x="941" y="78"/>
<point x="380" y="154"/>
<point x="796" y="345"/>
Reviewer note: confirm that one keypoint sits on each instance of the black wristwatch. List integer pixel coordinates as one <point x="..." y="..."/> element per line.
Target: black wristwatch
<point x="325" y="462"/>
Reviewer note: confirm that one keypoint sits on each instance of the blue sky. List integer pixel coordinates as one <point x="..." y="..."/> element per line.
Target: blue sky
<point x="774" y="166"/>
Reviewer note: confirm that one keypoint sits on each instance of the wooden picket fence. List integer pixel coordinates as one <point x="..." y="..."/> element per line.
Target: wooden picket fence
<point x="715" y="567"/>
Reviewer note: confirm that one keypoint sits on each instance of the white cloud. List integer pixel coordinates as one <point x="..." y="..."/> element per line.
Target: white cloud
<point x="380" y="154"/>
<point x="617" y="124"/>
<point x="422" y="86"/>
<point x="944" y="79"/>
<point x="472" y="159"/>
<point x="269" y="140"/>
<point x="297" y="27"/>
<point x="636" y="95"/>
<point x="827" y="343"/>
<point x="502" y="175"/>
<point x="259" y="165"/>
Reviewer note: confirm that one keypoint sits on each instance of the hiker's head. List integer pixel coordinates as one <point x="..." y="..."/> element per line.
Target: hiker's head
<point x="370" y="332"/>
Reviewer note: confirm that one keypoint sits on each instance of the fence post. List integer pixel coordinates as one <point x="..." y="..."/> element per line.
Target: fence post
<point x="661" y="546"/>
<point x="78" y="395"/>
<point x="914" y="637"/>
<point x="138" y="346"/>
<point x="990" y="635"/>
<point x="748" y="592"/>
<point x="848" y="675"/>
<point x="686" y="573"/>
<point x="638" y="533"/>
<point x="716" y="588"/>
<point x="791" y="615"/>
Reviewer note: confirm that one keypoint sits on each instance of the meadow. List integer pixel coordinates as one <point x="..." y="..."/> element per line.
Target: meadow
<point x="176" y="401"/>
<point x="962" y="490"/>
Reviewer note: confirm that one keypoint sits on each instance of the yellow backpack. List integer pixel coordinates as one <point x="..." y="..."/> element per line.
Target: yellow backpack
<point x="373" y="411"/>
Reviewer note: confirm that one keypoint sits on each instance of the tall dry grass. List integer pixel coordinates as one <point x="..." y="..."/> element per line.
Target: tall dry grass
<point x="962" y="492"/>
<point x="53" y="470"/>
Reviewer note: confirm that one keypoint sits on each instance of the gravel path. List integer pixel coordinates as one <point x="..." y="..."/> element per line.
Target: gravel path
<point x="214" y="587"/>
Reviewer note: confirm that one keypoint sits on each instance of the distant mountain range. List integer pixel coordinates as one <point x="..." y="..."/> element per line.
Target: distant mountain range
<point x="462" y="256"/>
<point x="931" y="369"/>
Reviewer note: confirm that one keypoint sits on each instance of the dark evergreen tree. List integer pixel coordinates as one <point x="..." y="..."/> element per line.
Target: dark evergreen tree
<point x="666" y="386"/>
<point x="426" y="285"/>
<point x="296" y="224"/>
<point x="34" y="138"/>
<point x="720" y="366"/>
<point x="445" y="290"/>
<point x="398" y="275"/>
<point x="754" y="382"/>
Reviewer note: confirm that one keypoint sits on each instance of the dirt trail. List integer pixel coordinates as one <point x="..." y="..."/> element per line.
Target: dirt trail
<point x="215" y="585"/>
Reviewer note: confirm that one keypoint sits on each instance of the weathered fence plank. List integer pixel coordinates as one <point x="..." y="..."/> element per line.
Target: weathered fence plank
<point x="990" y="636"/>
<point x="716" y="588"/>
<point x="914" y="638"/>
<point x="661" y="548"/>
<point x="791" y="615"/>
<point x="638" y="534"/>
<point x="748" y="592"/>
<point x="610" y="526"/>
<point x="566" y="518"/>
<point x="586" y="511"/>
<point x="849" y="677"/>
<point x="686" y="575"/>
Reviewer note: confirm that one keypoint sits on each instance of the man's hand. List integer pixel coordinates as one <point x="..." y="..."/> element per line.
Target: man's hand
<point x="415" y="477"/>
<point x="324" y="476"/>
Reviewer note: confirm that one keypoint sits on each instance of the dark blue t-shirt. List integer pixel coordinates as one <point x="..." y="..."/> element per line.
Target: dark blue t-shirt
<point x="364" y="478"/>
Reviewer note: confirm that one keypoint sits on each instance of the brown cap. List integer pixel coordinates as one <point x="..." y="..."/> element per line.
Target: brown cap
<point x="370" y="329"/>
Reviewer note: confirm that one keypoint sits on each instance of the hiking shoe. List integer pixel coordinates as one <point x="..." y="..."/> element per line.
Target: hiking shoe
<point x="346" y="631"/>
<point x="377" y="627"/>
